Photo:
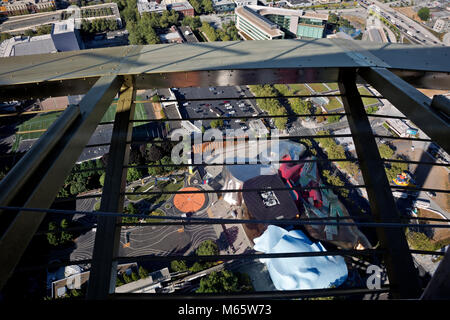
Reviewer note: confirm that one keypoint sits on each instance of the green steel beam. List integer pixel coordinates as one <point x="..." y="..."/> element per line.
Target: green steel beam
<point x="35" y="181"/>
<point x="219" y="63"/>
<point x="430" y="118"/>
<point x="403" y="278"/>
<point x="102" y="280"/>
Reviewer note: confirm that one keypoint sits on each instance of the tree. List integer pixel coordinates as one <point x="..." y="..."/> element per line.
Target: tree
<point x="133" y="174"/>
<point x="57" y="235"/>
<point x="197" y="267"/>
<point x="207" y="6"/>
<point x="134" y="276"/>
<point x="207" y="248"/>
<point x="64" y="223"/>
<point x="178" y="265"/>
<point x="102" y="179"/>
<point x="193" y="22"/>
<point x="4" y="36"/>
<point x="216" y="123"/>
<point x="143" y="273"/>
<point x="385" y="151"/>
<point x="424" y="14"/>
<point x="196" y="5"/>
<point x="332" y="119"/>
<point x="224" y="281"/>
<point x="29" y="33"/>
<point x="45" y="29"/>
<point x="52" y="236"/>
<point x="166" y="161"/>
<point x="130" y="209"/>
<point x="126" y="278"/>
<point x="154" y="153"/>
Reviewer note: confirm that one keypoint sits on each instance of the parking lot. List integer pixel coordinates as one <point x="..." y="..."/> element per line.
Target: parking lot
<point x="223" y="107"/>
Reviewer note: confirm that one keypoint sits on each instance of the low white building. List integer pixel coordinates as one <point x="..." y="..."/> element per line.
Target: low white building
<point x="398" y="126"/>
<point x="240" y="3"/>
<point x="441" y="25"/>
<point x="150" y="6"/>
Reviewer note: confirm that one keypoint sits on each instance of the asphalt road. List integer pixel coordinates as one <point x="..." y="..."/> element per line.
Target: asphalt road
<point x="30" y="21"/>
<point x="375" y="35"/>
<point x="419" y="32"/>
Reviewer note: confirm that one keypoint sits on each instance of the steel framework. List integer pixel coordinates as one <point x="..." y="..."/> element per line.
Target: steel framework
<point x="101" y="74"/>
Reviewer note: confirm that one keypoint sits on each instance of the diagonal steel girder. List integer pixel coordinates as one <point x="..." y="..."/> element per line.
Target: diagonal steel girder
<point x="429" y="115"/>
<point x="36" y="179"/>
<point x="403" y="277"/>
<point x="102" y="279"/>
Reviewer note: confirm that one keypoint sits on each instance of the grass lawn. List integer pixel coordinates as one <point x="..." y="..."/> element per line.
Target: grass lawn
<point x="156" y="199"/>
<point x="161" y="186"/>
<point x="139" y="113"/>
<point x="333" y="86"/>
<point x="39" y="122"/>
<point x="318" y="87"/>
<point x="367" y="101"/>
<point x="283" y="89"/>
<point x="144" y="188"/>
<point x="334" y="104"/>
<point x="299" y="89"/>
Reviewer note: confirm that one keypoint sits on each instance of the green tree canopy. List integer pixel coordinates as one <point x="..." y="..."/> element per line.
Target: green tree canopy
<point x="178" y="265"/>
<point x="424" y="14"/>
<point x="224" y="281"/>
<point x="207" y="248"/>
<point x="133" y="174"/>
<point x="385" y="151"/>
<point x="216" y="123"/>
<point x="143" y="273"/>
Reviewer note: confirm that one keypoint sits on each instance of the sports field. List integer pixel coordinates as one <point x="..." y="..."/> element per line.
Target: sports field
<point x="139" y="112"/>
<point x="36" y="126"/>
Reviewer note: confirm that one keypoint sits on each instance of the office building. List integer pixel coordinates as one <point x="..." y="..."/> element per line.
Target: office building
<point x="253" y="26"/>
<point x="295" y="23"/>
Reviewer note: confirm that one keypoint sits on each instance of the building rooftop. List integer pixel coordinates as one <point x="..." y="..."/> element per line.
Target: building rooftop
<point x="178" y="5"/>
<point x="35" y="47"/>
<point x="263" y="10"/>
<point x="147" y="6"/>
<point x="264" y="24"/>
<point x="276" y="204"/>
<point x="188" y="34"/>
<point x="147" y="284"/>
<point x="222" y="2"/>
<point x="63" y="26"/>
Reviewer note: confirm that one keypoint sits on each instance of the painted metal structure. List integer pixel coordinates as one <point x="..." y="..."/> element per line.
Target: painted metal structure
<point x="392" y="69"/>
